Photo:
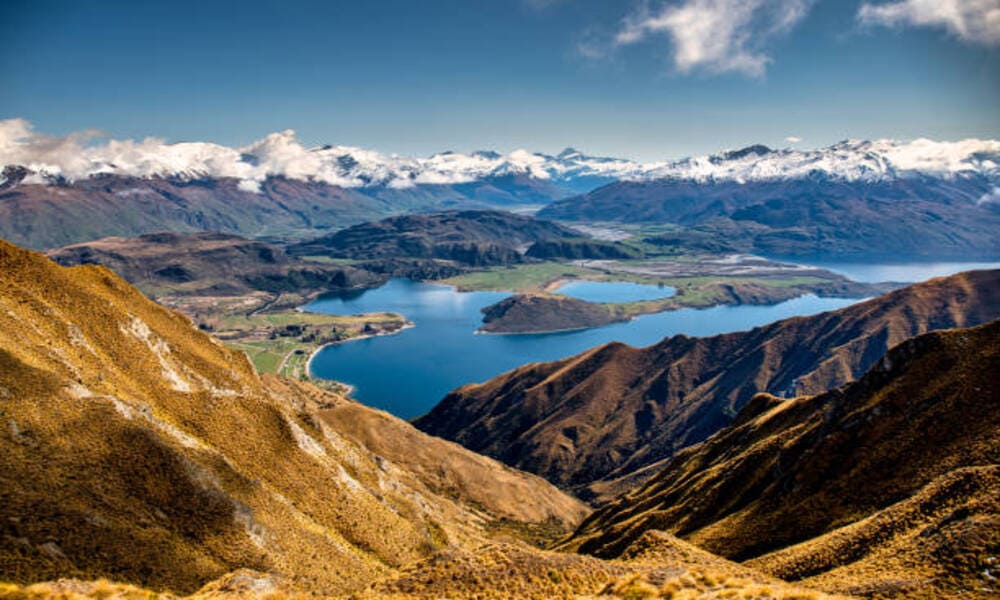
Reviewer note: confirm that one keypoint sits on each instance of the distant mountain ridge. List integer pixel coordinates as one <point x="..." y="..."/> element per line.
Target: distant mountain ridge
<point x="280" y="154"/>
<point x="599" y="422"/>
<point x="472" y="237"/>
<point x="911" y="217"/>
<point x="853" y="199"/>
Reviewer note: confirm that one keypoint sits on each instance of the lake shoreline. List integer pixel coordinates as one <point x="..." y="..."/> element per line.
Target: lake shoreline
<point x="445" y="351"/>
<point x="309" y="373"/>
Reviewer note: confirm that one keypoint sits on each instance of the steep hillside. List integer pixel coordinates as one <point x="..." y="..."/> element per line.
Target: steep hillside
<point x="210" y="263"/>
<point x="593" y="422"/>
<point x="887" y="486"/>
<point x="138" y="449"/>
<point x="473" y="237"/>
<point x="658" y="565"/>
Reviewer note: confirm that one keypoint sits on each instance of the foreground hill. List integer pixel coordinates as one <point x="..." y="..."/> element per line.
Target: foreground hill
<point x="596" y="422"/>
<point x="210" y="263"/>
<point x="887" y="486"/>
<point x="472" y="237"/>
<point x="141" y="456"/>
<point x="139" y="449"/>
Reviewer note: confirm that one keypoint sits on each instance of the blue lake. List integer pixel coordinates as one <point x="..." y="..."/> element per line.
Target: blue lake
<point x="902" y="272"/>
<point x="408" y="373"/>
<point x="614" y="291"/>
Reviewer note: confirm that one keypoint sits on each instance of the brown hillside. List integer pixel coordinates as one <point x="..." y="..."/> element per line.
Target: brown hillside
<point x="597" y="421"/>
<point x="886" y="486"/>
<point x="138" y="449"/>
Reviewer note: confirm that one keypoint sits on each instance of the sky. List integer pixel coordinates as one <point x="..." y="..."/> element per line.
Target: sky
<point x="639" y="79"/>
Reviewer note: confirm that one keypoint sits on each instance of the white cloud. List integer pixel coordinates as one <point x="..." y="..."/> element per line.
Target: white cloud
<point x="991" y="198"/>
<point x="793" y="139"/>
<point x="80" y="155"/>
<point x="970" y="20"/>
<point x="716" y="35"/>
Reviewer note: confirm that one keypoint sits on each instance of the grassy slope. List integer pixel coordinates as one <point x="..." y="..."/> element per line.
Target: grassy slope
<point x="140" y="449"/>
<point x="886" y="486"/>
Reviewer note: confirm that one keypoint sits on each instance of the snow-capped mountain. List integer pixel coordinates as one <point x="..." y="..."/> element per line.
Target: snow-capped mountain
<point x="79" y="156"/>
<point x="917" y="197"/>
<point x="280" y="154"/>
<point x="851" y="160"/>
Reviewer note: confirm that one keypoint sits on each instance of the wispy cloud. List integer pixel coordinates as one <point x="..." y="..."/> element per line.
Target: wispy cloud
<point x="792" y="139"/>
<point x="541" y="5"/>
<point x="976" y="21"/>
<point x="718" y="36"/>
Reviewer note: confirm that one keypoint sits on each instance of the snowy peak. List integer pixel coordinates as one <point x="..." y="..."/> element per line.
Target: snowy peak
<point x="82" y="155"/>
<point x="849" y="160"/>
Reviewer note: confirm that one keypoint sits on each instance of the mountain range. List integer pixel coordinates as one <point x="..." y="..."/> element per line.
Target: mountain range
<point x="855" y="198"/>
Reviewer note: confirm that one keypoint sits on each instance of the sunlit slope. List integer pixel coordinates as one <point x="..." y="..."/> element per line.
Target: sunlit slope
<point x="138" y="449"/>
<point x="889" y="485"/>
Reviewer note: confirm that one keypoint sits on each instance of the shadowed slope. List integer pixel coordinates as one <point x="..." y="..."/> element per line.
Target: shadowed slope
<point x="597" y="421"/>
<point x="140" y="449"/>
<point x="210" y="263"/>
<point x="888" y="485"/>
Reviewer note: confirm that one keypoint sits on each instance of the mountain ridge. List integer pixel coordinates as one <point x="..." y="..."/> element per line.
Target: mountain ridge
<point x="281" y="154"/>
<point x="824" y="488"/>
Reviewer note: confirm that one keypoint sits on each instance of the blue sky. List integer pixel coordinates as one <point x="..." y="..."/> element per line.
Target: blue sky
<point x="637" y="79"/>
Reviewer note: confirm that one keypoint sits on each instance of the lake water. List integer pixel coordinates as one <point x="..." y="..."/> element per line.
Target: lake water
<point x="408" y="373"/>
<point x="614" y="291"/>
<point x="902" y="272"/>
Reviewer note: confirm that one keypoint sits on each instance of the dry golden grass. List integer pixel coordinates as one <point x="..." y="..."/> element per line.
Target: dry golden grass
<point x="138" y="449"/>
<point x="884" y="488"/>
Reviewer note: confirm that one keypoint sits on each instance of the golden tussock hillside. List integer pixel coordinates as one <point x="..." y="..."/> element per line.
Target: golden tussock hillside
<point x="137" y="449"/>
<point x="887" y="487"/>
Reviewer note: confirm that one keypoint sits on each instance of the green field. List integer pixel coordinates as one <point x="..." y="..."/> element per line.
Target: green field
<point x="273" y="349"/>
<point x="519" y="278"/>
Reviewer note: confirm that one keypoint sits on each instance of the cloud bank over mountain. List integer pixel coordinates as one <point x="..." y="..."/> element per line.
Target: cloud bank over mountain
<point x="280" y="154"/>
